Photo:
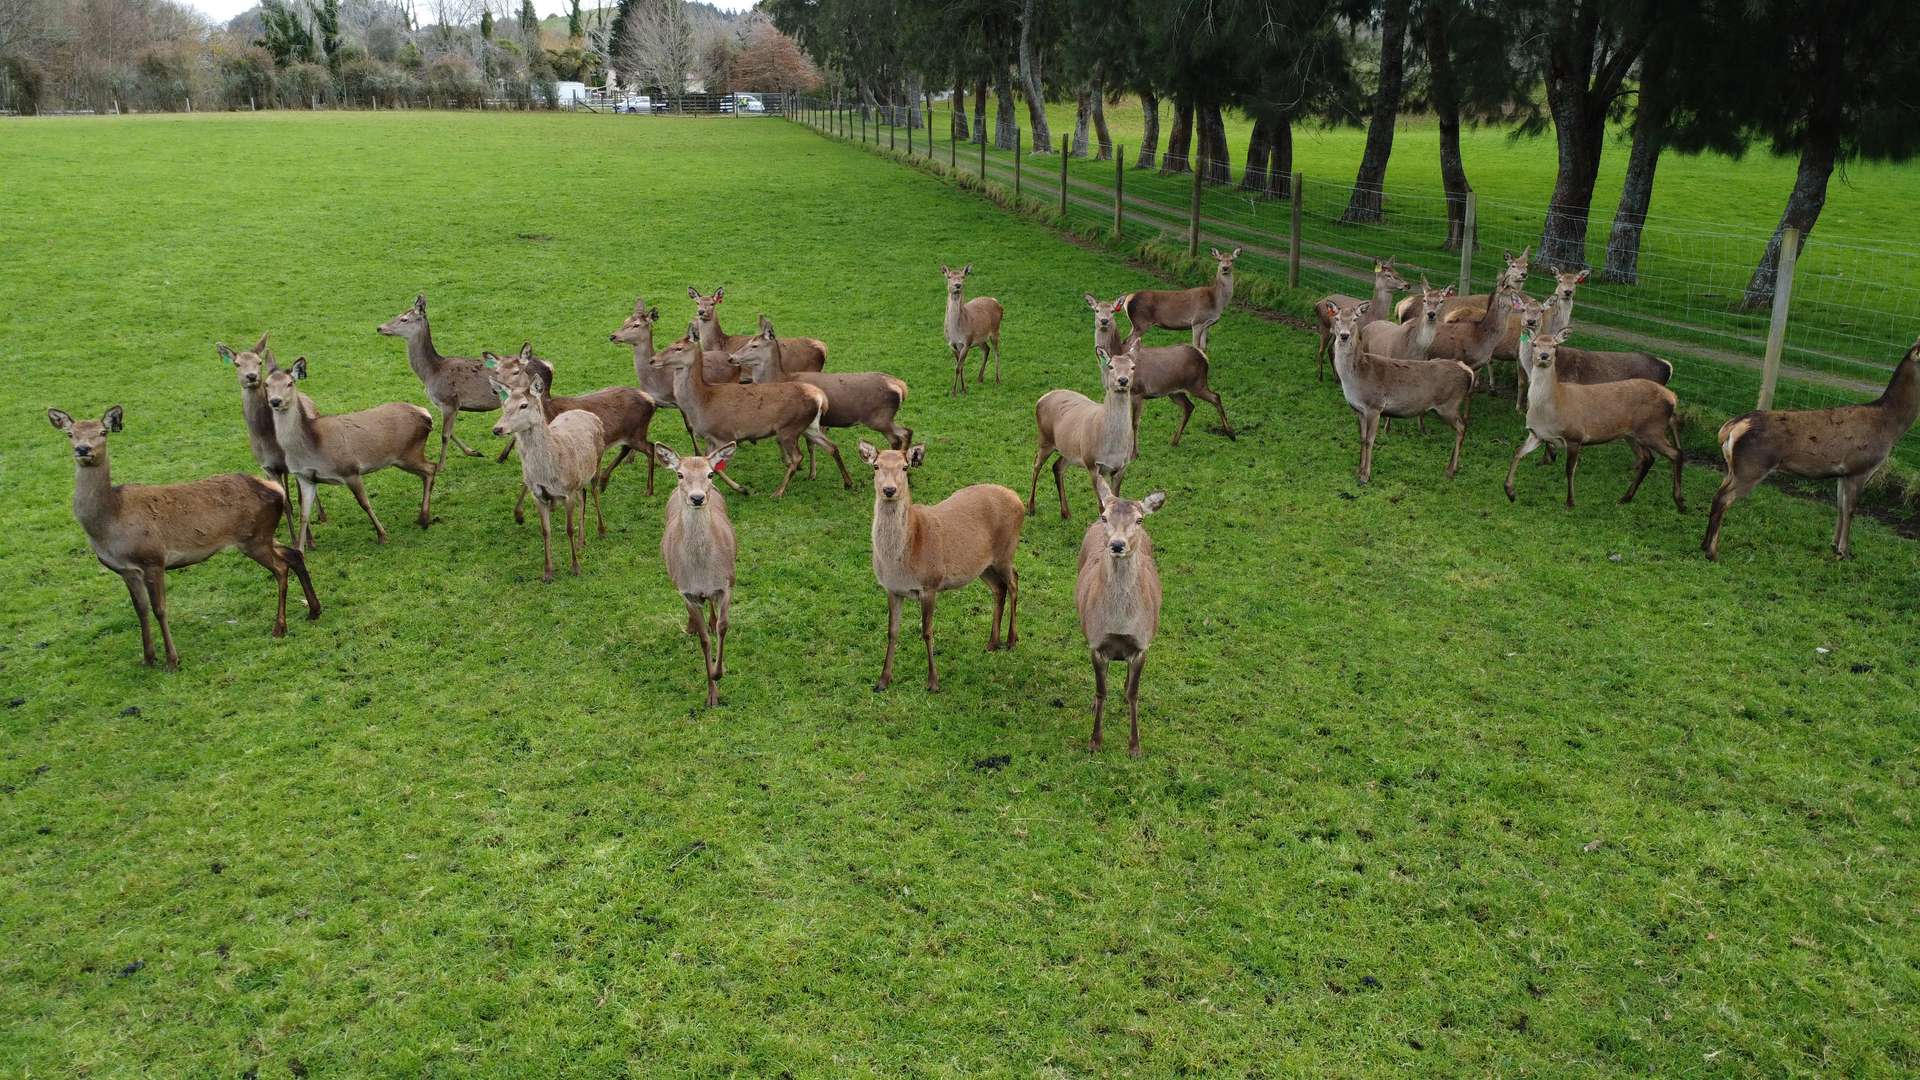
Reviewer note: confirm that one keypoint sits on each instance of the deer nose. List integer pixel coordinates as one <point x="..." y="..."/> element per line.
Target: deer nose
<point x="275" y="402"/>
<point x="613" y="337"/>
<point x="698" y="498"/>
<point x="1118" y="547"/>
<point x="889" y="491"/>
<point x="83" y="451"/>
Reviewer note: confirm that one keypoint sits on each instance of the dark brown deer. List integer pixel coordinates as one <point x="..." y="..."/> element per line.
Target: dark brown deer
<point x="800" y="355"/>
<point x="698" y="547"/>
<point x="1848" y="443"/>
<point x="344" y="448"/>
<point x="870" y="399"/>
<point x="1118" y="597"/>
<point x="455" y="384"/>
<point x="251" y="366"/>
<point x="970" y="324"/>
<point x="1185" y="309"/>
<point x="142" y="531"/>
<point x="1159" y="371"/>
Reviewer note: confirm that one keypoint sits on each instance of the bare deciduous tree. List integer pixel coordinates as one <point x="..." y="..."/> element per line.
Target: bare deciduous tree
<point x="657" y="46"/>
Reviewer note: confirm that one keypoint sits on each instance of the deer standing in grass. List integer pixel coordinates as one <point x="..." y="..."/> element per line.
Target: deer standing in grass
<point x="1118" y="597"/>
<point x="1095" y="435"/>
<point x="868" y="398"/>
<point x="971" y="324"/>
<point x="1168" y="371"/>
<point x="637" y="332"/>
<point x="344" y="448"/>
<point x="559" y="459"/>
<point x="698" y="547"/>
<point x="1469" y="308"/>
<point x="1386" y="282"/>
<point x="455" y="384"/>
<point x="1572" y="416"/>
<point x="730" y="412"/>
<point x="923" y="551"/>
<point x="1411" y="339"/>
<point x="1185" y="309"/>
<point x="142" y="531"/>
<point x="1472" y="343"/>
<point x="251" y="367"/>
<point x="799" y="355"/>
<point x="1848" y="443"/>
<point x="1376" y="386"/>
<point x="625" y="414"/>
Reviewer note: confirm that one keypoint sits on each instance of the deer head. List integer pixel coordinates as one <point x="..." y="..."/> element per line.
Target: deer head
<point x="703" y="305"/>
<point x="1565" y="282"/>
<point x="1515" y="274"/>
<point x="1431" y="300"/>
<point x="683" y="353"/>
<point x="1223" y="263"/>
<point x="639" y="325"/>
<point x="1532" y="312"/>
<point x="1545" y="348"/>
<point x="760" y="350"/>
<point x="1103" y="312"/>
<point x="249" y="364"/>
<point x="1385" y="274"/>
<point x="1119" y="521"/>
<point x="1116" y="372"/>
<point x="890" y="469"/>
<point x="1346" y="322"/>
<point x="88" y="438"/>
<point x="956" y="279"/>
<point x="696" y="474"/>
<point x="521" y="407"/>
<point x="514" y="371"/>
<point x="280" y="392"/>
<point x="409" y="322"/>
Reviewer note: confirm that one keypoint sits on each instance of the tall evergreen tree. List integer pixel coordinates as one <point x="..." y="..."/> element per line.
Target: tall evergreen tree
<point x="1364" y="205"/>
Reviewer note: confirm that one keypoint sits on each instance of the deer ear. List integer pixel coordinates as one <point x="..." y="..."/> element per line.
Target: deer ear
<point x="693" y="292"/>
<point x="666" y="455"/>
<point x="868" y="453"/>
<point x="1154" y="501"/>
<point x="526" y="350"/>
<point x="916" y="455"/>
<point x="113" y="418"/>
<point x="639" y="305"/>
<point x="1582" y="276"/>
<point x="1446" y="292"/>
<point x="1106" y="358"/>
<point x="944" y="269"/>
<point x="1235" y="255"/>
<point x="719" y="294"/>
<point x="225" y="353"/>
<point x="717" y="456"/>
<point x="300" y="367"/>
<point x="420" y="303"/>
<point x="653" y="314"/>
<point x="261" y="345"/>
<point x="966" y="270"/>
<point x="59" y="419"/>
<point x="492" y="361"/>
<point x="693" y="331"/>
<point x="1091" y="300"/>
<point x="499" y="389"/>
<point x="766" y="327"/>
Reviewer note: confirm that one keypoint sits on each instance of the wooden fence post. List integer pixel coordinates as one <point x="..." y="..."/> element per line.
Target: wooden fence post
<point x="1017" y="168"/>
<point x="1777" y="329"/>
<point x="1466" y="247"/>
<point x="1193" y="214"/>
<point x="1293" y="236"/>
<point x="1119" y="186"/>
<point x="1063" y="177"/>
<point x="983" y="158"/>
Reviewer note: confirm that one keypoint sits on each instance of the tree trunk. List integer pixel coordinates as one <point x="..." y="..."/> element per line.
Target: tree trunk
<point x="914" y="84"/>
<point x="979" y="112"/>
<point x="1803" y="210"/>
<point x="1179" y="140"/>
<point x="1101" y="136"/>
<point x="1280" y="158"/>
<point x="1082" y="118"/>
<point x="1149" y="131"/>
<point x="957" y="123"/>
<point x="1006" y="130"/>
<point x="1367" y="183"/>
<point x="1446" y="110"/>
<point x="1259" y="147"/>
<point x="1579" y="132"/>
<point x="1636" y="193"/>
<point x="1030" y="82"/>
<point x="1216" y="160"/>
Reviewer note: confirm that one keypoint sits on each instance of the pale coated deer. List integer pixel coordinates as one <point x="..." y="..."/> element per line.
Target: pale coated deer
<point x="625" y="414"/>
<point x="1386" y="282"/>
<point x="1118" y="597"/>
<point x="558" y="460"/>
<point x="1168" y="371"/>
<point x="1379" y="386"/>
<point x="1095" y="435"/>
<point x="344" y="448"/>
<point x="697" y="544"/>
<point x="970" y="324"/>
<point x="799" y="355"/>
<point x="251" y="367"/>
<point x="1572" y="416"/>
<point x="923" y="551"/>
<point x="455" y="384"/>
<point x="141" y="531"/>
<point x="1185" y="309"/>
<point x="1411" y="339"/>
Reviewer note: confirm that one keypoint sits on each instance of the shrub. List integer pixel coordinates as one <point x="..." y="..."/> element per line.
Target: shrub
<point x="163" y="76"/>
<point x="22" y="84"/>
<point x="303" y="83"/>
<point x="453" y="80"/>
<point x="246" y="76"/>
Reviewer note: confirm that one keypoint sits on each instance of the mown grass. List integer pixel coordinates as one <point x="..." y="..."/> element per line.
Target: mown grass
<point x="1433" y="783"/>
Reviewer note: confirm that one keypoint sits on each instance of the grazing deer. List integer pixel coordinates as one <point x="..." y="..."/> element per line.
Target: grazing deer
<point x="868" y="398"/>
<point x="730" y="412"/>
<point x="1097" y="436"/>
<point x="1469" y="308"/>
<point x="1848" y="442"/>
<point x="344" y="448"/>
<point x="1386" y="282"/>
<point x="142" y="531"/>
<point x="799" y="355"/>
<point x="1571" y="416"/>
<point x="1377" y="386"/>
<point x="558" y="460"/>
<point x="698" y="546"/>
<point x="455" y="384"/>
<point x="1168" y="371"/>
<point x="625" y="414"/>
<point x="923" y="551"/>
<point x="251" y="366"/>
<point x="1118" y="597"/>
<point x="971" y="324"/>
<point x="1411" y="339"/>
<point x="1184" y="309"/>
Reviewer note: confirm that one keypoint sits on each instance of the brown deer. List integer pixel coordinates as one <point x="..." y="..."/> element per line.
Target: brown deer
<point x="1168" y="371"/>
<point x="1377" y="386"/>
<point x="730" y="412"/>
<point x="800" y="355"/>
<point x="1411" y="339"/>
<point x="1095" y="435"/>
<point x="625" y="414"/>
<point x="1558" y="313"/>
<point x="923" y="551"/>
<point x="868" y="398"/>
<point x="1572" y="416"/>
<point x="344" y="448"/>
<point x="1386" y="282"/>
<point x="1469" y="308"/>
<point x="637" y="332"/>
<point x="142" y="531"/>
<point x="1118" y="597"/>
<point x="1848" y="443"/>
<point x="455" y="384"/>
<point x="558" y="460"/>
<point x="970" y="324"/>
<point x="698" y="547"/>
<point x="1185" y="309"/>
<point x="1472" y="343"/>
<point x="251" y="365"/>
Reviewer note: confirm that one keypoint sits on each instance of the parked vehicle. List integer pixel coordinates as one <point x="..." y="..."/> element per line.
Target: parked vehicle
<point x="639" y="104"/>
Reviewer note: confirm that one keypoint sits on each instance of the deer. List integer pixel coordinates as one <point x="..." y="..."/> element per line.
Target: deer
<point x="637" y="331"/>
<point x="1118" y="597"/>
<point x="1847" y="442"/>
<point x="1472" y="343"/>
<point x="1411" y="339"/>
<point x="1186" y="309"/>
<point x="1097" y="436"/>
<point x="923" y="551"/>
<point x="251" y="366"/>
<point x="344" y="448"/>
<point x="454" y="384"/>
<point x="1168" y="371"/>
<point x="559" y="459"/>
<point x="1572" y="416"/>
<point x="802" y="354"/>
<point x="1557" y="314"/>
<point x="1377" y="386"/>
<point x="141" y="531"/>
<point x="730" y="412"/>
<point x="970" y="324"/>
<point x="868" y="398"/>
<point x="698" y="547"/>
<point x="1513" y="275"/>
<point x="625" y="414"/>
<point x="1386" y="282"/>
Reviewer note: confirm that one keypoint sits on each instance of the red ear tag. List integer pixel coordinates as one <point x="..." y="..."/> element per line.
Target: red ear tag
<point x="720" y="466"/>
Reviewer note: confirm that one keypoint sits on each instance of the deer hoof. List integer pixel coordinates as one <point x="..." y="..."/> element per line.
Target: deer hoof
<point x="1133" y="750"/>
<point x="881" y="686"/>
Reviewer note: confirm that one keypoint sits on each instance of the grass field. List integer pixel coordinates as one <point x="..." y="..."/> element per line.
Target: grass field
<point x="1433" y="784"/>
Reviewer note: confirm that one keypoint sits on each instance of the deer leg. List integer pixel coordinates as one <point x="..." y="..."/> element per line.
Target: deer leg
<point x="1732" y="489"/>
<point x="820" y="438"/>
<point x="1060" y="484"/>
<point x="1459" y="422"/>
<point x="307" y="494"/>
<point x="986" y="354"/>
<point x="927" y="600"/>
<point x="598" y="516"/>
<point x="137" y="589"/>
<point x="992" y="577"/>
<point x="1849" y="492"/>
<point x="157" y="595"/>
<point x="1206" y="394"/>
<point x="286" y="505"/>
<point x="698" y="626"/>
<point x="268" y="555"/>
<point x="505" y="451"/>
<point x="606" y="477"/>
<point x="651" y="462"/>
<point x="1136" y="404"/>
<point x="691" y="437"/>
<point x="1012" y="577"/>
<point x="299" y="564"/>
<point x="427" y="474"/>
<point x="893" y="638"/>
<point x="519" y="506"/>
<point x="996" y="357"/>
<point x="447" y="420"/>
<point x="575" y="540"/>
<point x="1672" y="450"/>
<point x="1134" y="667"/>
<point x="1573" y="465"/>
<point x="359" y="488"/>
<point x="546" y="535"/>
<point x="1642" y="463"/>
<point x="721" y="606"/>
<point x="1039" y="459"/>
<point x="1186" y="414"/>
<point x="790" y="451"/>
<point x="811" y="471"/>
<point x="1099" y="700"/>
<point x="959" y="370"/>
<point x="1527" y="446"/>
<point x="1421" y="422"/>
<point x="1320" y="358"/>
<point x="899" y="436"/>
<point x="1370" y="430"/>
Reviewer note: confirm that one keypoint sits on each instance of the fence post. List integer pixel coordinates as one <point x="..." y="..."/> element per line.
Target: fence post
<point x="1293" y="236"/>
<point x="1466" y="247"/>
<point x="909" y="134"/>
<point x="1193" y="214"/>
<point x="983" y="160"/>
<point x="1016" y="168"/>
<point x="863" y="127"/>
<point x="1063" y="178"/>
<point x="1777" y="329"/>
<point x="1119" y="185"/>
<point x="953" y="150"/>
<point x="892" y="127"/>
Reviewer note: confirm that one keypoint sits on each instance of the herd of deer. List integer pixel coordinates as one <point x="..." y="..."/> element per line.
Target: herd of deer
<point x="1428" y="352"/>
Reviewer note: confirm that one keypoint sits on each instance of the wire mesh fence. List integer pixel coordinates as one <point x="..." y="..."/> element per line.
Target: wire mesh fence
<point x="1854" y="310"/>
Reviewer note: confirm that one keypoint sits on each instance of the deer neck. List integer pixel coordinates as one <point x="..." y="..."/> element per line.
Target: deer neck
<point x="893" y="530"/>
<point x="1382" y="305"/>
<point x="1559" y="314"/>
<point x="1222" y="289"/>
<point x="295" y="430"/>
<point x="536" y="447"/>
<point x="1902" y="396"/>
<point x="698" y="530"/>
<point x="692" y="390"/>
<point x="95" y="500"/>
<point x="1116" y="427"/>
<point x="711" y="336"/>
<point x="643" y="356"/>
<point x="1119" y="586"/>
<point x="956" y="314"/>
<point x="421" y="355"/>
<point x="1423" y="334"/>
<point x="258" y="414"/>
